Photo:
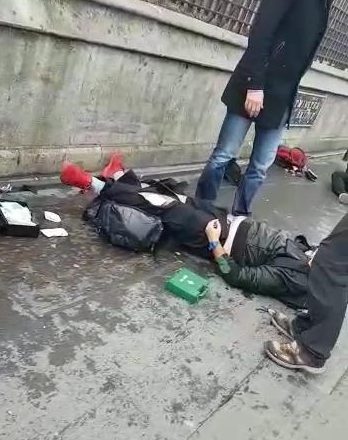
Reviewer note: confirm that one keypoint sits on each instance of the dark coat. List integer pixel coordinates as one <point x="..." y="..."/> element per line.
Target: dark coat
<point x="282" y="44"/>
<point x="270" y="263"/>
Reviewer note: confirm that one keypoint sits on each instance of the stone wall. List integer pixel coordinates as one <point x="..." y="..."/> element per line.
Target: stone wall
<point x="81" y="78"/>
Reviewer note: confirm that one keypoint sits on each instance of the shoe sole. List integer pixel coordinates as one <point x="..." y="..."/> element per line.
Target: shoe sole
<point x="311" y="370"/>
<point x="281" y="329"/>
<point x="343" y="200"/>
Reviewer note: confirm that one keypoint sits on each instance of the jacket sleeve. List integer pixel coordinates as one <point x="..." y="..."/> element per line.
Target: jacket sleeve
<point x="261" y="39"/>
<point x="262" y="280"/>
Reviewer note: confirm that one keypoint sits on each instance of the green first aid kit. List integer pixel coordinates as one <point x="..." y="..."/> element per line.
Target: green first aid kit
<point x="187" y="285"/>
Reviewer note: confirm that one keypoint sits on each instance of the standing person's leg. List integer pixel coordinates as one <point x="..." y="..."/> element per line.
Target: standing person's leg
<point x="338" y="180"/>
<point x="328" y="294"/>
<point x="316" y="334"/>
<point x="232" y="134"/>
<point x="265" y="148"/>
<point x="340" y="186"/>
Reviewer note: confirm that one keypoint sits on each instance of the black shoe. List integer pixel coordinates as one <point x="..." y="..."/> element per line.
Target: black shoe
<point x="343" y="198"/>
<point x="310" y="175"/>
<point x="233" y="173"/>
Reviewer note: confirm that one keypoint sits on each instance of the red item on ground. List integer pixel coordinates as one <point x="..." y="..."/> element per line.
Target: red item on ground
<point x="73" y="175"/>
<point x="115" y="164"/>
<point x="292" y="158"/>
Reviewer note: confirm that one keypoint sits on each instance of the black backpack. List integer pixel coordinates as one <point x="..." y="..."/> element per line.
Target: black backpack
<point x="125" y="226"/>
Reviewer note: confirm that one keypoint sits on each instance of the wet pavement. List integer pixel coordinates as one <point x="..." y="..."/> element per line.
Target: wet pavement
<point x="92" y="346"/>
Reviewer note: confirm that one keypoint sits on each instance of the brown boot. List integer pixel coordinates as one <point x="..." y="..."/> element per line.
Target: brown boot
<point x="293" y="356"/>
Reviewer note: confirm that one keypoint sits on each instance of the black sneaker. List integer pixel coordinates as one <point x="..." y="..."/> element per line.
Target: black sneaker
<point x="310" y="175"/>
<point x="343" y="198"/>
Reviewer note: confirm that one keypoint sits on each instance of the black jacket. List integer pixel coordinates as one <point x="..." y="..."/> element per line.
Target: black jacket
<point x="267" y="262"/>
<point x="282" y="44"/>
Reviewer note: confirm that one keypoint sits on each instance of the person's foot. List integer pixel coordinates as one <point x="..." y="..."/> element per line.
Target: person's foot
<point x="115" y="165"/>
<point x="282" y="323"/>
<point x="73" y="175"/>
<point x="343" y="198"/>
<point x="293" y="356"/>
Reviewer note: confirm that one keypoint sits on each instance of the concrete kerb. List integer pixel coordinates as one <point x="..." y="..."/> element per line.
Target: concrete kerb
<point x="185" y="170"/>
<point x="49" y="181"/>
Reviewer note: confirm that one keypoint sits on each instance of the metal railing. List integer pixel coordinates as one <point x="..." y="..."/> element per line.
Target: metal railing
<point x="238" y="15"/>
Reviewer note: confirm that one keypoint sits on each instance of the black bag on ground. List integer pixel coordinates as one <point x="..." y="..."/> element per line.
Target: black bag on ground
<point x="125" y="226"/>
<point x="16" y="219"/>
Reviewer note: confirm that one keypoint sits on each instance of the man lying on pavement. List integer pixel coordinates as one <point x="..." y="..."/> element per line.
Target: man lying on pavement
<point x="259" y="259"/>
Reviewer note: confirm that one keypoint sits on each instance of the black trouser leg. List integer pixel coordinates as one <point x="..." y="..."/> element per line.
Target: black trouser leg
<point x="339" y="182"/>
<point x="327" y="295"/>
<point x="130" y="178"/>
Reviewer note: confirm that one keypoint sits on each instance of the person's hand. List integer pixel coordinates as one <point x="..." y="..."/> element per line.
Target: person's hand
<point x="213" y="230"/>
<point x="254" y="102"/>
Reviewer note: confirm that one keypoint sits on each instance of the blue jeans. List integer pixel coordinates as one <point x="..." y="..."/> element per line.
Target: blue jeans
<point x="232" y="135"/>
